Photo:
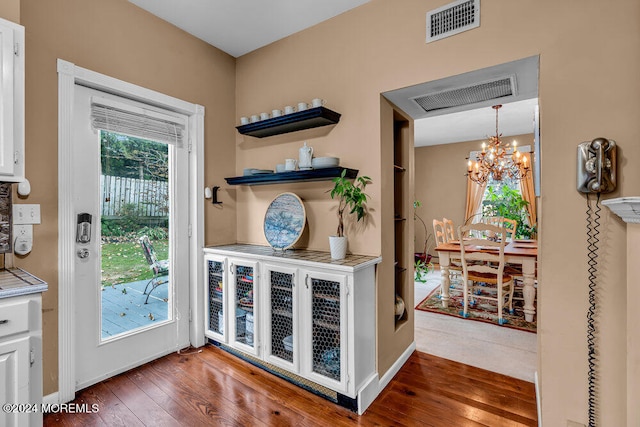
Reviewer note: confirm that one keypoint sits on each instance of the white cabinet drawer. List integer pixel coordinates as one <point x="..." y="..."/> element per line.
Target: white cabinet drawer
<point x="14" y="318"/>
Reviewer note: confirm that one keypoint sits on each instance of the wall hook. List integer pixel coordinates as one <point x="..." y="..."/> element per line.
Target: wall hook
<point x="214" y="195"/>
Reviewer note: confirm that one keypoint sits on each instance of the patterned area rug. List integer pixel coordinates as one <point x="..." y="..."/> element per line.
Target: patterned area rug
<point x="483" y="311"/>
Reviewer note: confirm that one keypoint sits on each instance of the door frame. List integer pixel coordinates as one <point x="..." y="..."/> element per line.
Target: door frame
<point x="68" y="76"/>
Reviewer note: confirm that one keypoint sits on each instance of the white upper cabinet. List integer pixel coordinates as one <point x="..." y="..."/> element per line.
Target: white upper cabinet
<point x="11" y="101"/>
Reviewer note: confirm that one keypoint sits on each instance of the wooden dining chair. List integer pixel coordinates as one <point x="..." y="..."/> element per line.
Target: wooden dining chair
<point x="484" y="266"/>
<point x="510" y="225"/>
<point x="449" y="229"/>
<point x="439" y="233"/>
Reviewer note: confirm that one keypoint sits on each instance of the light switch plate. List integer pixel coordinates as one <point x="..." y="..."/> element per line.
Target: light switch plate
<point x="26" y="214"/>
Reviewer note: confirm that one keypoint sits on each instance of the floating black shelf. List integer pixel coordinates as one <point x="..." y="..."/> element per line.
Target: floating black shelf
<point x="307" y="119"/>
<point x="294" y="176"/>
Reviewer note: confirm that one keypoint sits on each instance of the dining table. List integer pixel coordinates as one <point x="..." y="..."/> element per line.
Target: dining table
<point x="520" y="252"/>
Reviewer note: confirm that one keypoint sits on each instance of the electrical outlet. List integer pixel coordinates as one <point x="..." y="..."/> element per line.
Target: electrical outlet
<point x="26" y="214"/>
<point x="575" y="424"/>
<point x="23" y="230"/>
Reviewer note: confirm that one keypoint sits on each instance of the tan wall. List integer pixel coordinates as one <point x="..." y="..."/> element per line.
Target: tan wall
<point x="120" y="40"/>
<point x="380" y="46"/>
<point x="10" y="10"/>
<point x="441" y="184"/>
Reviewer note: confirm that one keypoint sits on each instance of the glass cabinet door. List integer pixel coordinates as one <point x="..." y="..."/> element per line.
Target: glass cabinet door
<point x="243" y="315"/>
<point x="328" y="334"/>
<point x="214" y="271"/>
<point x="282" y="341"/>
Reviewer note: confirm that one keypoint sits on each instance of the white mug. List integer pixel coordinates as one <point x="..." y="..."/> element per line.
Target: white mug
<point x="276" y="113"/>
<point x="244" y="120"/>
<point x="264" y="116"/>
<point x="288" y="109"/>
<point x="317" y="102"/>
<point x="290" y="164"/>
<point x="255" y="118"/>
<point x="302" y="106"/>
<point x="280" y="167"/>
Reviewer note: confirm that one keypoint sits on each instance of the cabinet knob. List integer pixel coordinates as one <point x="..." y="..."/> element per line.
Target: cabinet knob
<point x="3" y="321"/>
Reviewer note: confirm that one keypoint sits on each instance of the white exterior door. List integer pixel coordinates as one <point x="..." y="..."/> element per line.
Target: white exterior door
<point x="114" y="335"/>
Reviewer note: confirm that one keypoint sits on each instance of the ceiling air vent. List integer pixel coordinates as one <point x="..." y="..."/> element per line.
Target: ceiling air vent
<point x="453" y="18"/>
<point x="494" y="89"/>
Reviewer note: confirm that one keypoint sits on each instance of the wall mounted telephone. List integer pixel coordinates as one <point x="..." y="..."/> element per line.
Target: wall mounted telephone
<point x="596" y="174"/>
<point x="83" y="229"/>
<point x="597" y="166"/>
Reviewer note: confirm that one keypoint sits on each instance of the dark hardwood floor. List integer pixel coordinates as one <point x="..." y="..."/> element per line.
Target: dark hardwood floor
<point x="214" y="388"/>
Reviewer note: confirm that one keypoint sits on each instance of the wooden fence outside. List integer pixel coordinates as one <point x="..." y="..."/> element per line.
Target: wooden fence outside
<point x="142" y="197"/>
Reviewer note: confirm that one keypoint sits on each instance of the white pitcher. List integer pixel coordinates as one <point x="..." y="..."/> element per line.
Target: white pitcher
<point x="306" y="153"/>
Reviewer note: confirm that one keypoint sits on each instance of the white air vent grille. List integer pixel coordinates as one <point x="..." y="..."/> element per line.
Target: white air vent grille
<point x="467" y="95"/>
<point x="453" y="18"/>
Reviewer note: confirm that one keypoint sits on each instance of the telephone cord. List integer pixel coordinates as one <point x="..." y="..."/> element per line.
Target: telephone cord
<point x="593" y="224"/>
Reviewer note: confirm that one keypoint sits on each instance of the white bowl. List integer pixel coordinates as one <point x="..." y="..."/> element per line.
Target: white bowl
<point x="325" y="162"/>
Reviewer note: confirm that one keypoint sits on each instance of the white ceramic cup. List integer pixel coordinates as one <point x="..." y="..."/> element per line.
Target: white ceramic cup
<point x="276" y="113"/>
<point x="317" y="102"/>
<point x="302" y="106"/>
<point x="264" y="116"/>
<point x="280" y="167"/>
<point x="290" y="164"/>
<point x="255" y="118"/>
<point x="244" y="120"/>
<point x="288" y="109"/>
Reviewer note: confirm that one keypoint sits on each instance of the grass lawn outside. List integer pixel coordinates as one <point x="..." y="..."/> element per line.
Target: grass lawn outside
<point x="124" y="262"/>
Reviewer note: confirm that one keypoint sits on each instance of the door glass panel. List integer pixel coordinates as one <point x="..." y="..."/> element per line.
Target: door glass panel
<point x="134" y="224"/>
<point x="244" y="305"/>
<point x="282" y="315"/>
<point x="326" y="327"/>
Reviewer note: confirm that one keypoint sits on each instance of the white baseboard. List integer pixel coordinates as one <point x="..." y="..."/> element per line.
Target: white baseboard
<point x="375" y="385"/>
<point x="51" y="399"/>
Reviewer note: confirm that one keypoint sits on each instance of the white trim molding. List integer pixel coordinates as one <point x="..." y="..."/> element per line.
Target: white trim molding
<point x="70" y="75"/>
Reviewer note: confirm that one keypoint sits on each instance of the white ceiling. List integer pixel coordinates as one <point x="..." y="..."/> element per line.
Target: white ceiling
<point x="516" y="118"/>
<point x="241" y="26"/>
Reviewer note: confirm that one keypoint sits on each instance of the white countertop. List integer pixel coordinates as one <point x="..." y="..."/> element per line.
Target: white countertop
<point x="16" y="281"/>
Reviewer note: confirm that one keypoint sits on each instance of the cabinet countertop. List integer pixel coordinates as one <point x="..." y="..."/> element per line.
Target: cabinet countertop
<point x="15" y="282"/>
<point x="351" y="262"/>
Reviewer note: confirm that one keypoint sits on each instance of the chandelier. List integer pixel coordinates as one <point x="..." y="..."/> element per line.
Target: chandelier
<point x="497" y="160"/>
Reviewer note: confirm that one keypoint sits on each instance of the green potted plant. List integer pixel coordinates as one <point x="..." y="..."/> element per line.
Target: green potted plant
<point x="351" y="199"/>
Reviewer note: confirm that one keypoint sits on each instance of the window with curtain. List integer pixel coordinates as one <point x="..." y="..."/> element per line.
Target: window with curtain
<point x="509" y="198"/>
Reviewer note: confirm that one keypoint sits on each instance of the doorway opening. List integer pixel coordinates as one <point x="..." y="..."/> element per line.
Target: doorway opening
<point x="444" y="137"/>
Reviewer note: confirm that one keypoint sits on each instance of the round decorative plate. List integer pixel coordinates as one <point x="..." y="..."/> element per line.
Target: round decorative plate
<point x="284" y="221"/>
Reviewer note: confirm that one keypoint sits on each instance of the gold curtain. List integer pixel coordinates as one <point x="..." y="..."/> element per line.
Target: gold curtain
<point x="528" y="192"/>
<point x="475" y="192"/>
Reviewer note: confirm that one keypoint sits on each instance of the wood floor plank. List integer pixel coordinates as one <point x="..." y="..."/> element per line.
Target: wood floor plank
<point x="141" y="405"/>
<point x="215" y="387"/>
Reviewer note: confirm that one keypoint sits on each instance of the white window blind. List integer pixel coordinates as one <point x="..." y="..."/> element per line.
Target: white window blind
<point x="120" y="117"/>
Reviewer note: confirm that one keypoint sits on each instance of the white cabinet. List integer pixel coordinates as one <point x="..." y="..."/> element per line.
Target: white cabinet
<point x="11" y="101"/>
<point x="315" y="319"/>
<point x="21" y="359"/>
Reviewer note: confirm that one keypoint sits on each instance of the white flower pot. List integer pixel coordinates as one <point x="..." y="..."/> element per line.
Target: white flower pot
<point x="338" y="246"/>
